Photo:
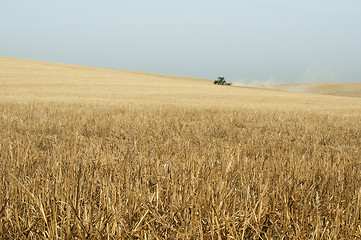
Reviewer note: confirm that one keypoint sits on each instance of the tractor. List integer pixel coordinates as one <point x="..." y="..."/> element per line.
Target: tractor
<point x="221" y="81"/>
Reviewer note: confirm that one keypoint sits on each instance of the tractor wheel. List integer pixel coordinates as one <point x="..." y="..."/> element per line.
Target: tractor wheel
<point x="215" y="82"/>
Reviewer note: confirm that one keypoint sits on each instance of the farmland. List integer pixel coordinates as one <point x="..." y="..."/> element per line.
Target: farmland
<point x="101" y="153"/>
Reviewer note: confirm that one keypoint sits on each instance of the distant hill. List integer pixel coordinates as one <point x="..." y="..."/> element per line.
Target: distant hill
<point x="23" y="80"/>
<point x="337" y="89"/>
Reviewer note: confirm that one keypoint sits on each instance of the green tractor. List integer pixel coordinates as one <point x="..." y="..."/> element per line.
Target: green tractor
<point x="221" y="81"/>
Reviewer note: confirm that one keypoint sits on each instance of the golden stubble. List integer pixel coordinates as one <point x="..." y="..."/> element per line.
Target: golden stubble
<point x="87" y="153"/>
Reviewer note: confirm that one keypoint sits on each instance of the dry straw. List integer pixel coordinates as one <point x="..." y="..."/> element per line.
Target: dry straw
<point x="87" y="154"/>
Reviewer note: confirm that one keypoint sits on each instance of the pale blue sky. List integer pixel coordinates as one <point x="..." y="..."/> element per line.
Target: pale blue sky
<point x="259" y="40"/>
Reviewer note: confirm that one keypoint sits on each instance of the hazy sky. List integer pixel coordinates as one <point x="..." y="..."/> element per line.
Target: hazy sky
<point x="258" y="40"/>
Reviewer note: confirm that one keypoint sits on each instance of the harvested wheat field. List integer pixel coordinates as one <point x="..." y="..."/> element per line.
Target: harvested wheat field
<point x="92" y="153"/>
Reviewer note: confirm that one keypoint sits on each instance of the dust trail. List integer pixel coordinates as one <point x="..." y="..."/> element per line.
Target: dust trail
<point x="256" y="83"/>
<point x="290" y="87"/>
<point x="309" y="82"/>
<point x="269" y="84"/>
<point x="312" y="80"/>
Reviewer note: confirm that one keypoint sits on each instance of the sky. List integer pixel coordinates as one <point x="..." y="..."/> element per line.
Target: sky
<point x="244" y="41"/>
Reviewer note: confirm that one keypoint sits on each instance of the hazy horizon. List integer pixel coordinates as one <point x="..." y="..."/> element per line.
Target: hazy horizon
<point x="258" y="41"/>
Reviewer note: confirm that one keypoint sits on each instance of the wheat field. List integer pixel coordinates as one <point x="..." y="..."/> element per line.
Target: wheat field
<point x="92" y="153"/>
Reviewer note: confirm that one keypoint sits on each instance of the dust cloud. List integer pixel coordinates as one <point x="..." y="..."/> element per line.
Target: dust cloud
<point x="311" y="81"/>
